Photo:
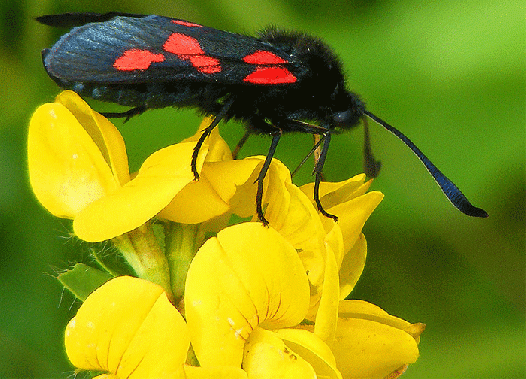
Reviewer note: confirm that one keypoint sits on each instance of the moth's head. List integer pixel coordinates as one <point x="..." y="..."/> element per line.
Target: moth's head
<point x="347" y="109"/>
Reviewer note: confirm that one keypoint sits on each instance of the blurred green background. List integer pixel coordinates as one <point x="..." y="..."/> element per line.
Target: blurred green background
<point x="450" y="74"/>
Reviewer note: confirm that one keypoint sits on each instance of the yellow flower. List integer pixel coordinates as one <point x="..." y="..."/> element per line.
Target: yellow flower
<point x="79" y="169"/>
<point x="243" y="288"/>
<point x="269" y="300"/>
<point x="246" y="293"/>
<point x="128" y="329"/>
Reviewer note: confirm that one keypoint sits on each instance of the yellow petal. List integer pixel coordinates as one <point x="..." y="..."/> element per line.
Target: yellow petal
<point x="128" y="328"/>
<point x="160" y="345"/>
<point x="349" y="202"/>
<point x="353" y="214"/>
<point x="242" y="202"/>
<point x="370" y="343"/>
<point x="352" y="267"/>
<point x="311" y="348"/>
<point x="217" y="372"/>
<point x="225" y="177"/>
<point x="161" y="176"/>
<point x="218" y="150"/>
<point x="295" y="218"/>
<point x="363" y="309"/>
<point x="334" y="193"/>
<point x="102" y="132"/>
<point x="66" y="168"/>
<point x="211" y="195"/>
<point x="246" y="276"/>
<point x="334" y="238"/>
<point x="327" y="315"/>
<point x="243" y="197"/>
<point x="196" y="203"/>
<point x="267" y="357"/>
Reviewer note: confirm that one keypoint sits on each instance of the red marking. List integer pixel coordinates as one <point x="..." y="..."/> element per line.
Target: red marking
<point x="263" y="57"/>
<point x="204" y="63"/>
<point x="188" y="48"/>
<point x="269" y="70"/>
<point x="186" y="23"/>
<point x="136" y="59"/>
<point x="270" y="75"/>
<point x="180" y="44"/>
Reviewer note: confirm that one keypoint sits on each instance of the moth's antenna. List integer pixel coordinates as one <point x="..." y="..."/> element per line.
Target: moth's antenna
<point x="447" y="186"/>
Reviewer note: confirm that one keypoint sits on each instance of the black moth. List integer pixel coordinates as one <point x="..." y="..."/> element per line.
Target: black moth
<point x="274" y="83"/>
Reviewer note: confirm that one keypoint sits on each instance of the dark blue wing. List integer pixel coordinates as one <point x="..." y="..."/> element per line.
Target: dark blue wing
<point x="140" y="49"/>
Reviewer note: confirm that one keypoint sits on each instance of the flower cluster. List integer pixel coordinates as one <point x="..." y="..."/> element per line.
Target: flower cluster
<point x="210" y="297"/>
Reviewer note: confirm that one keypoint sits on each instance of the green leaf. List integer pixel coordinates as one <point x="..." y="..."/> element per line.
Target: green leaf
<point x="82" y="280"/>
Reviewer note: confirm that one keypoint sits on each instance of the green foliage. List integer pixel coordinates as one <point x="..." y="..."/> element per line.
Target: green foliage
<point x="82" y="280"/>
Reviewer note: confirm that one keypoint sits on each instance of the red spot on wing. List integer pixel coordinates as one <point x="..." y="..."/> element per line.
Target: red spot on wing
<point x="181" y="44"/>
<point x="186" y="23"/>
<point x="263" y="57"/>
<point x="188" y="48"/>
<point x="136" y="59"/>
<point x="204" y="63"/>
<point x="270" y="75"/>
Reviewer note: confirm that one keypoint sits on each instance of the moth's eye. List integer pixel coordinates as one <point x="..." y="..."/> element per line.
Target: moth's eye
<point x="343" y="119"/>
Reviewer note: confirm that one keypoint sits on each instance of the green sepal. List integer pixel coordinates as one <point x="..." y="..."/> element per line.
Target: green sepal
<point x="82" y="280"/>
<point x="109" y="259"/>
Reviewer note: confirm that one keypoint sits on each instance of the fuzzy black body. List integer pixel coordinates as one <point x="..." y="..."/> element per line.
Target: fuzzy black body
<point x="84" y="60"/>
<point x="276" y="83"/>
